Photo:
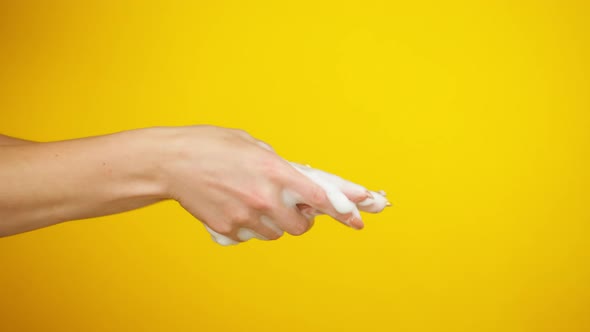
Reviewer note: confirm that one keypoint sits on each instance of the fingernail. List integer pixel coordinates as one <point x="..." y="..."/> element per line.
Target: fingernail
<point x="369" y="194"/>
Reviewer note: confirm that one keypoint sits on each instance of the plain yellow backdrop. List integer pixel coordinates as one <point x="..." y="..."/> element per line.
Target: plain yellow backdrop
<point x="473" y="115"/>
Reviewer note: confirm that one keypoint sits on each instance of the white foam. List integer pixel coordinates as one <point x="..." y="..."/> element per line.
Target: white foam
<point x="245" y="234"/>
<point x="219" y="238"/>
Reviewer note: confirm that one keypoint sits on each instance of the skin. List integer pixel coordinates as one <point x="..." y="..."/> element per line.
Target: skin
<point x="224" y="177"/>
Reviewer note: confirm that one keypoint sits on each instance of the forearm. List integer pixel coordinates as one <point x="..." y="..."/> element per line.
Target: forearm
<point x="47" y="183"/>
<point x="7" y="140"/>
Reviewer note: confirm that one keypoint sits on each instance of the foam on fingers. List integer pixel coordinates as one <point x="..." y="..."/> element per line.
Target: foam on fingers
<point x="338" y="191"/>
<point x="374" y="201"/>
<point x="220" y="238"/>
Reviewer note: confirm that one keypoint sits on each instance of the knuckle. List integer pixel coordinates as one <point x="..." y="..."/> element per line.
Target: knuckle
<point x="242" y="133"/>
<point x="272" y="166"/>
<point x="240" y="217"/>
<point x="265" y="145"/>
<point x="259" y="202"/>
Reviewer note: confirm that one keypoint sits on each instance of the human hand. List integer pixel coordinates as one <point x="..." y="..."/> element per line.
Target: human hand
<point x="240" y="189"/>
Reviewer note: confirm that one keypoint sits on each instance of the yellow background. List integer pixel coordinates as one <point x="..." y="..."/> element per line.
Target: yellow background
<point x="474" y="116"/>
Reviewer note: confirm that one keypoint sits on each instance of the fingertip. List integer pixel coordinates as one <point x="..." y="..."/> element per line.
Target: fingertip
<point x="375" y="204"/>
<point x="357" y="224"/>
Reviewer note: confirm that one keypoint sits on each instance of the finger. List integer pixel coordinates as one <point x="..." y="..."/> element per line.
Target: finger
<point x="269" y="223"/>
<point x="315" y="189"/>
<point x="355" y="196"/>
<point x="353" y="191"/>
<point x="339" y="204"/>
<point x="323" y="197"/>
<point x="307" y="211"/>
<point x="289" y="219"/>
<point x="366" y="200"/>
<point x="307" y="187"/>
<point x="374" y="204"/>
<point x="266" y="228"/>
<point x="326" y="196"/>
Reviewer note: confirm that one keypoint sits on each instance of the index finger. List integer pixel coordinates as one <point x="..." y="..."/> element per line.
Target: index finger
<point x="322" y="196"/>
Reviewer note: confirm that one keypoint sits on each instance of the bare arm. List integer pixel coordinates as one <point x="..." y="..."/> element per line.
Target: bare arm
<point x="47" y="183"/>
<point x="221" y="176"/>
<point x="7" y="140"/>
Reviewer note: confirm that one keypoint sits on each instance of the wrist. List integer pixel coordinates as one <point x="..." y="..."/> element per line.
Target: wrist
<point x="152" y="151"/>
